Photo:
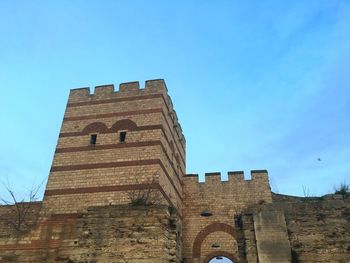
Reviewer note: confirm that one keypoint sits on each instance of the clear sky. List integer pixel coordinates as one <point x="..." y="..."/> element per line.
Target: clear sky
<point x="256" y="84"/>
<point x="220" y="260"/>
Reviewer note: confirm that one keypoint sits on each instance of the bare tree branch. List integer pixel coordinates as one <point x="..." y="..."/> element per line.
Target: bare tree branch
<point x="20" y="211"/>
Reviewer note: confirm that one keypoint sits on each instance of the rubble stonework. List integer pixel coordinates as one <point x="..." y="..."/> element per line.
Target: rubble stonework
<point x="118" y="192"/>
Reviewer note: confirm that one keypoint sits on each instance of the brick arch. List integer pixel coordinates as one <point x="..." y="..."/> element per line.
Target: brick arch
<point x="214" y="227"/>
<point x="125" y="124"/>
<point x="99" y="127"/>
<point x="220" y="253"/>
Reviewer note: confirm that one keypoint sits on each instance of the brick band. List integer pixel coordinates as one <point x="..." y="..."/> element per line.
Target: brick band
<point x="34" y="245"/>
<point x="109" y="188"/>
<point x="122" y="145"/>
<point x="100" y="189"/>
<point x="94" y="102"/>
<point x="115" y="114"/>
<point x="124" y="113"/>
<point x="117" y="164"/>
<point x="98" y="127"/>
<point x="108" y="146"/>
<point x="84" y="132"/>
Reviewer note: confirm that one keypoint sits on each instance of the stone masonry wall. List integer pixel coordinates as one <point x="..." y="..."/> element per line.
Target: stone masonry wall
<point x="118" y="234"/>
<point x="318" y="228"/>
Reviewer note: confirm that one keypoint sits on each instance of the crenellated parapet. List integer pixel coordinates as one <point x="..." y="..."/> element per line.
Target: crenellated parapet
<point x="233" y="176"/>
<point x="81" y="96"/>
<point x="108" y="91"/>
<point x="235" y="186"/>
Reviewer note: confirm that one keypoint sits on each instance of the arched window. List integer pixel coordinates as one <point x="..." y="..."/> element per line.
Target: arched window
<point x="93" y="129"/>
<point x="122" y="127"/>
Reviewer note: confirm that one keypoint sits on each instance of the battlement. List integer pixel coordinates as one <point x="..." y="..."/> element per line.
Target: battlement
<point x="237" y="191"/>
<point x="151" y="86"/>
<point x="233" y="176"/>
<point x="107" y="93"/>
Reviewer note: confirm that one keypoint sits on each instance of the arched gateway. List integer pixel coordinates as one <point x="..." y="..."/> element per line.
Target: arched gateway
<point x="214" y="243"/>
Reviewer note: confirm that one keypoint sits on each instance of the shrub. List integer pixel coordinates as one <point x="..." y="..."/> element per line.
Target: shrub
<point x="147" y="195"/>
<point x="343" y="189"/>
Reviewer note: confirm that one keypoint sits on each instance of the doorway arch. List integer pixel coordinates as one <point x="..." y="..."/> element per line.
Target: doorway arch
<point x="214" y="227"/>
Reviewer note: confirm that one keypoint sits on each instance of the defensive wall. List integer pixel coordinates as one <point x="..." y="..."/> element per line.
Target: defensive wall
<point x="318" y="227"/>
<point x="113" y="144"/>
<point x="113" y="233"/>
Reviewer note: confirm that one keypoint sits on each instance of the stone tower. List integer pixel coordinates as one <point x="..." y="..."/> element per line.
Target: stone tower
<point x="112" y="143"/>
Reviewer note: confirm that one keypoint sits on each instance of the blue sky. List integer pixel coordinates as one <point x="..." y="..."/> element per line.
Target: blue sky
<point x="222" y="260"/>
<point x="256" y="84"/>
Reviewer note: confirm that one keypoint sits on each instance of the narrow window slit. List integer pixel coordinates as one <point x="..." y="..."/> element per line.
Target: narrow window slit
<point x="122" y="136"/>
<point x="93" y="139"/>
